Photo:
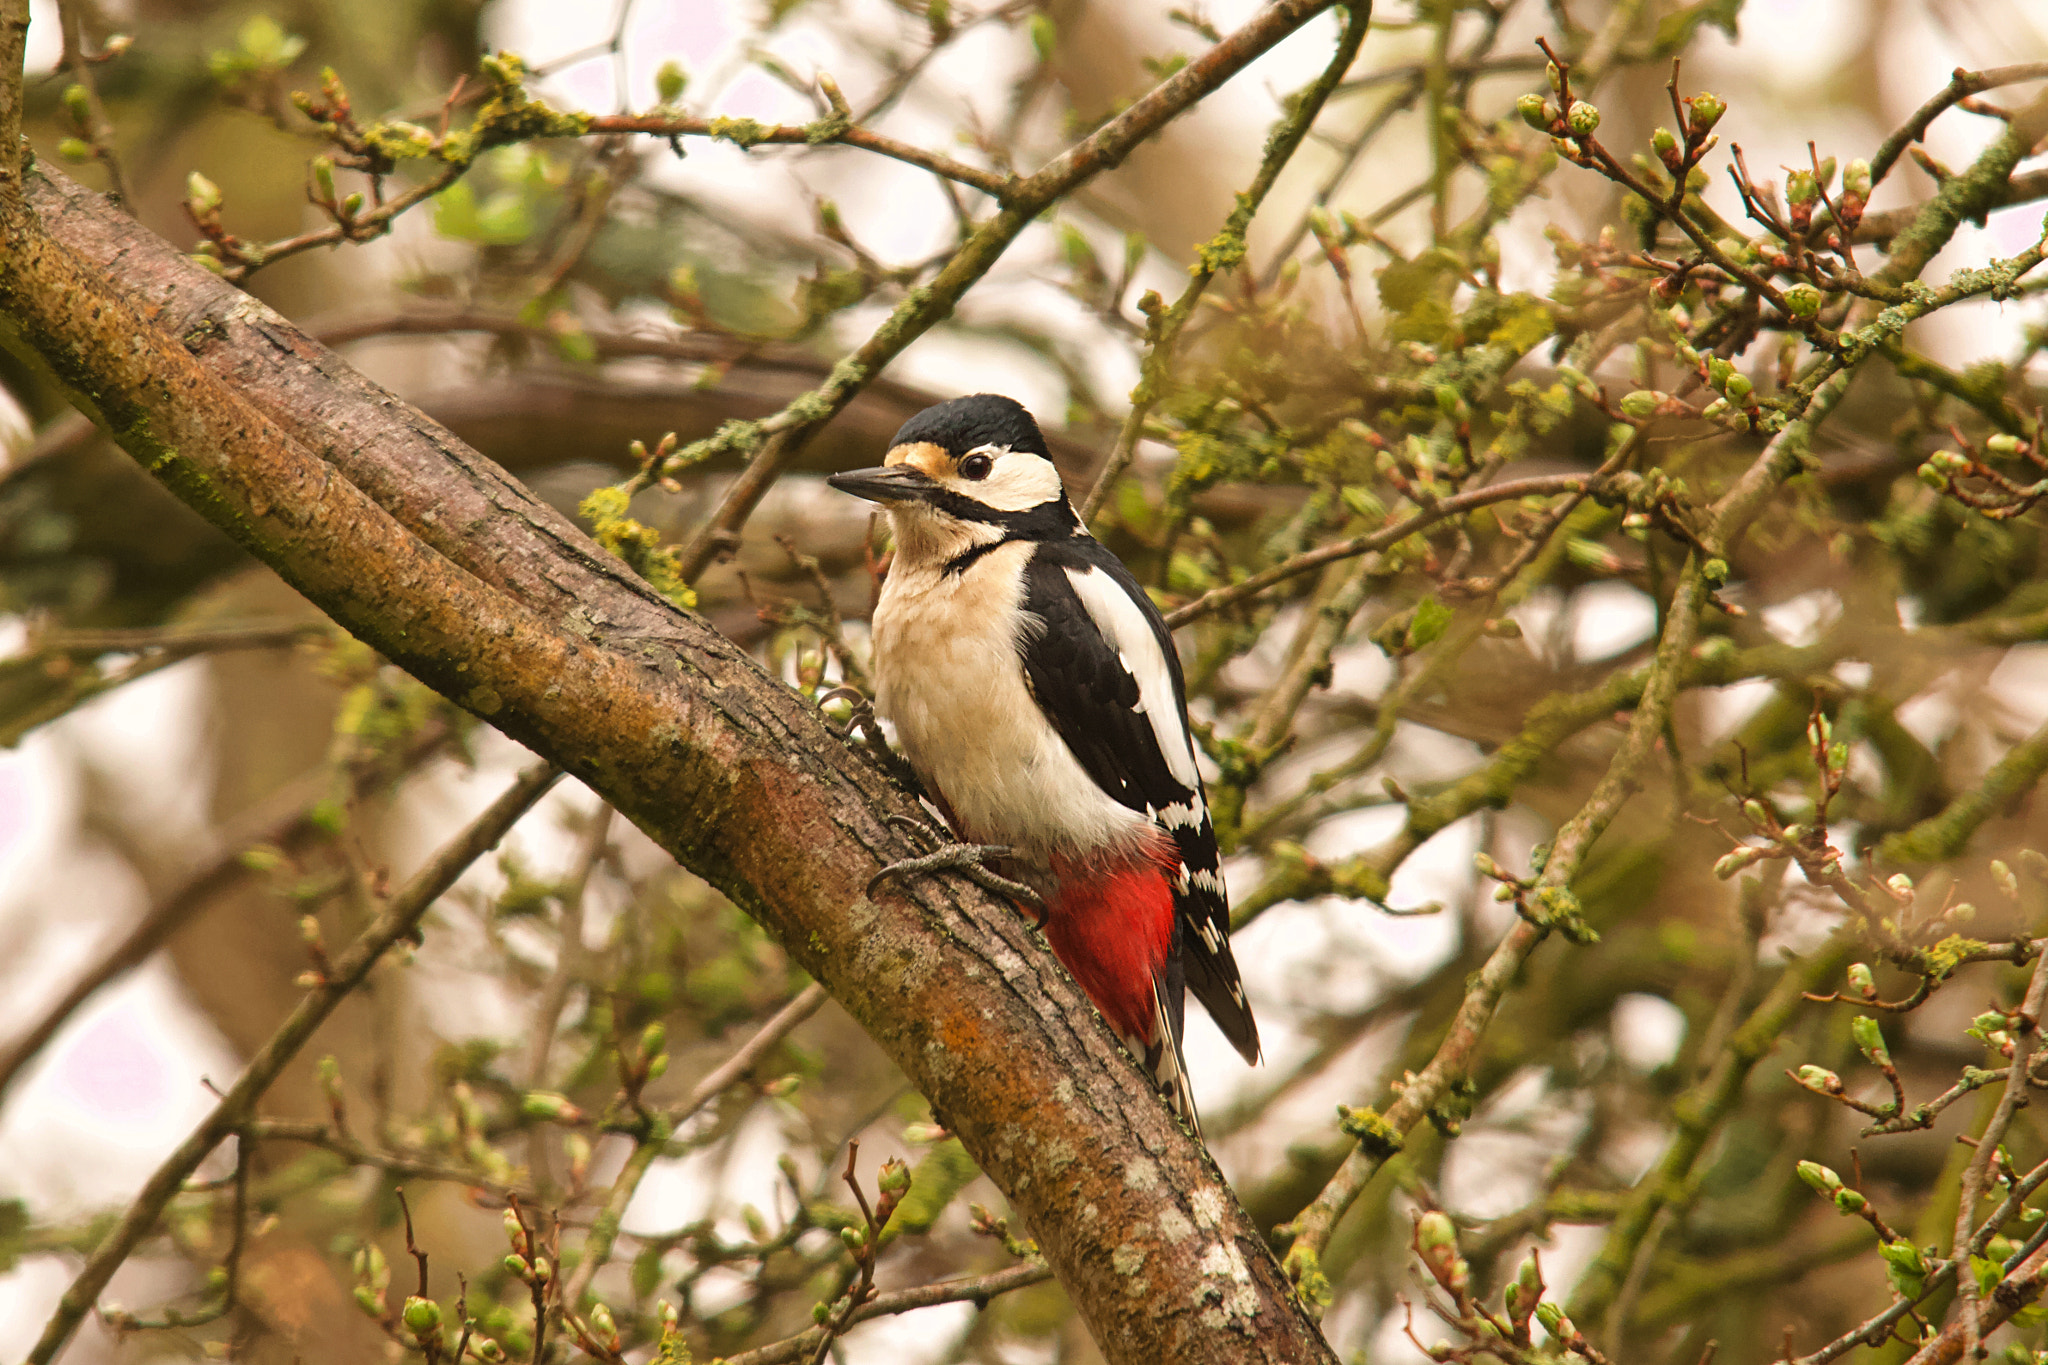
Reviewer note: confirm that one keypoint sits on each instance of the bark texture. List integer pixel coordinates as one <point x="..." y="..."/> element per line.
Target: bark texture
<point x="451" y="568"/>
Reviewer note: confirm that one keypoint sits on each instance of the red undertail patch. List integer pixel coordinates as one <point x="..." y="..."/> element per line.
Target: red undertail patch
<point x="1113" y="928"/>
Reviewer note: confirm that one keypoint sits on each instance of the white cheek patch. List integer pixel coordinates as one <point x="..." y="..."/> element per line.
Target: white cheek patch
<point x="1017" y="482"/>
<point x="1123" y="624"/>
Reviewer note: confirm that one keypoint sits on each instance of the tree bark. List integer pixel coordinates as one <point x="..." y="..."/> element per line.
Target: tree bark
<point x="453" y="570"/>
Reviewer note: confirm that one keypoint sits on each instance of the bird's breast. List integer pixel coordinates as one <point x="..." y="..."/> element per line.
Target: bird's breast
<point x="950" y="678"/>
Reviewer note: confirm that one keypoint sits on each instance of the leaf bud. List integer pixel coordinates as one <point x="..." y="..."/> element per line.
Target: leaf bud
<point x="670" y="80"/>
<point x="1641" y="403"/>
<point x="1553" y="1319"/>
<point x="546" y="1104"/>
<point x="1900" y="885"/>
<point x="1434" y="1231"/>
<point x="1554" y="76"/>
<point x="517" y="1268"/>
<point x="1707" y="109"/>
<point x="1583" y="119"/>
<point x="1738" y="387"/>
<point x="1802" y="300"/>
<point x="1800" y="188"/>
<point x="202" y="193"/>
<point x="1665" y="143"/>
<point x="352" y="205"/>
<point x="1961" y="914"/>
<point x="1819" y="1078"/>
<point x="1821" y="1178"/>
<point x="1861" y="981"/>
<point x="1931" y="476"/>
<point x="78" y="104"/>
<point x="74" y="149"/>
<point x="1720" y="407"/>
<point x="894" y="1177"/>
<point x="1536" y="111"/>
<point x="1856" y="178"/>
<point x="422" y="1316"/>
<point x="323" y="178"/>
<point x="515" y="1232"/>
<point x="2007" y="883"/>
<point x="1870" y="1038"/>
<point x="2003" y="443"/>
<point x="1850" y="1201"/>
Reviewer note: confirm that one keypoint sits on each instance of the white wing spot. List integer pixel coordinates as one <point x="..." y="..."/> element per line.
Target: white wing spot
<point x="1123" y="625"/>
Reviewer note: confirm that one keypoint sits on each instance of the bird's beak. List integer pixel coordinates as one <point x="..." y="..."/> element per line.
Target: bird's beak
<point x="886" y="483"/>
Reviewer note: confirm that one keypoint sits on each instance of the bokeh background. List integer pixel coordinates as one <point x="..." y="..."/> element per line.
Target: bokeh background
<point x="568" y="299"/>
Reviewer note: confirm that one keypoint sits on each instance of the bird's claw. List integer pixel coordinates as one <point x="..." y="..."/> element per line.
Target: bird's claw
<point x="969" y="860"/>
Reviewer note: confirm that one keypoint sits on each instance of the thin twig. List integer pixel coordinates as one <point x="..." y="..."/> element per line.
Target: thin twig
<point x="399" y="919"/>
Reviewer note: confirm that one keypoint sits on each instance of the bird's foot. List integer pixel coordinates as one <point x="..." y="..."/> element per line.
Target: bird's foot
<point x="946" y="854"/>
<point x="868" y="726"/>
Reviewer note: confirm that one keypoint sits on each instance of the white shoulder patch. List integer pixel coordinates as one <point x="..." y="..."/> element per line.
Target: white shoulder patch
<point x="1123" y="624"/>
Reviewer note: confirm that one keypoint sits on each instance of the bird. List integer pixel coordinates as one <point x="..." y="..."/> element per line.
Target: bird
<point x="1035" y="690"/>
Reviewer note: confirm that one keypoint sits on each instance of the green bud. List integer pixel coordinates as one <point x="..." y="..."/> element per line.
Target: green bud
<point x="323" y="178"/>
<point x="1821" y="1178"/>
<point x="1931" y="476"/>
<point x="1819" y="1078"/>
<point x="602" y="1322"/>
<point x="352" y="205"/>
<point x="1755" y="811"/>
<point x="75" y="149"/>
<point x="515" y="1231"/>
<point x="1719" y="372"/>
<point x="1902" y="1255"/>
<point x="1802" y="300"/>
<point x="1728" y="864"/>
<point x="1536" y="111"/>
<point x="422" y="1317"/>
<point x="517" y="1268"/>
<point x="1434" y="1231"/>
<point x="1707" y="109"/>
<point x="78" y="104"/>
<point x="1737" y="388"/>
<point x="1044" y="35"/>
<point x="820" y="1312"/>
<point x="202" y="193"/>
<point x="854" y="1238"/>
<point x="1715" y="571"/>
<point x="670" y="80"/>
<point x="1664" y="142"/>
<point x="1860" y="979"/>
<point x="1850" y="1201"/>
<point x="894" y="1177"/>
<point x="543" y="1270"/>
<point x="1720" y="407"/>
<point x="1554" y="76"/>
<point x="2007" y="883"/>
<point x="1553" y="1319"/>
<point x="369" y="1300"/>
<point x="2003" y="443"/>
<point x="1870" y="1038"/>
<point x="653" y="1038"/>
<point x="546" y="1104"/>
<point x="1962" y="913"/>
<point x="1856" y="178"/>
<point x="1641" y="403"/>
<point x="1900" y="885"/>
<point x="1800" y="187"/>
<point x="1583" y="119"/>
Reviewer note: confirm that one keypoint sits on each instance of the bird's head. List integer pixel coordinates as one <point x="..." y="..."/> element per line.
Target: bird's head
<point x="971" y="471"/>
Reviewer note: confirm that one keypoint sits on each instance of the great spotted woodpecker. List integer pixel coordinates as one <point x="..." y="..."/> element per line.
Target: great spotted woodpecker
<point x="1036" y="691"/>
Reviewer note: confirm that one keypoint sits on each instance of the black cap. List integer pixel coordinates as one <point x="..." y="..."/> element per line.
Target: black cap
<point x="979" y="419"/>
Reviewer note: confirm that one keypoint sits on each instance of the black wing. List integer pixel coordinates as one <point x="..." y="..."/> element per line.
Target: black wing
<point x="1094" y="702"/>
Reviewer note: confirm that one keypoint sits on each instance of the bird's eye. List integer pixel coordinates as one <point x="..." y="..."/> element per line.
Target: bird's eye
<point x="976" y="466"/>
